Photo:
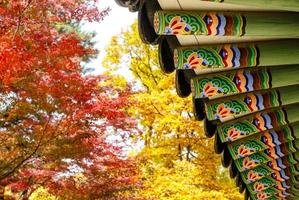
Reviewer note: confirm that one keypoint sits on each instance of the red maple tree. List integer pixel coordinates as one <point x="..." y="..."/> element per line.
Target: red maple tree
<point x="54" y="120"/>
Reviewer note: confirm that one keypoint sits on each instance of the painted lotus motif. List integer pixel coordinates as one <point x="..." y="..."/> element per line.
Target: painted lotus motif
<point x="249" y="164"/>
<point x="244" y="151"/>
<point x="221" y="56"/>
<point x="210" y="23"/>
<point x="234" y="134"/>
<point x="262" y="196"/>
<point x="195" y="61"/>
<point x="177" y="26"/>
<point x="236" y="82"/>
<point x="259" y="187"/>
<point x="250" y="103"/>
<point x="258" y="123"/>
<point x="253" y="176"/>
<point x="224" y="111"/>
<point x="210" y="90"/>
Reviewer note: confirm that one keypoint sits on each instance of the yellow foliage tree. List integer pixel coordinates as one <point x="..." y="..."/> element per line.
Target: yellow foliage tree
<point x="177" y="161"/>
<point x="42" y="194"/>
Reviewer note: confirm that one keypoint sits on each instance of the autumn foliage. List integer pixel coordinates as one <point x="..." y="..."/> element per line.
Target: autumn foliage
<point x="68" y="135"/>
<point x="54" y="120"/>
<point x="177" y="161"/>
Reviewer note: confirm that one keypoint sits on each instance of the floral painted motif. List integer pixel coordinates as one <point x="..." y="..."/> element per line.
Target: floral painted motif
<point x="252" y="161"/>
<point x="214" y="24"/>
<point x="271" y="192"/>
<point x="249" y="147"/>
<point x="259" y="187"/>
<point x="177" y="26"/>
<point x="262" y="196"/>
<point x="234" y="134"/>
<point x="278" y="141"/>
<point x="210" y="90"/>
<point x="224" y="111"/>
<point x="248" y="164"/>
<point x="265" y="183"/>
<point x="258" y="123"/>
<point x="195" y="61"/>
<point x="225" y="56"/>
<point x="253" y="176"/>
<point x="244" y="151"/>
<point x="242" y="105"/>
<point x="240" y="81"/>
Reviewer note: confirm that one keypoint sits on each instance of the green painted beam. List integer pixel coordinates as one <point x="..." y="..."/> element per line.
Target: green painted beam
<point x="208" y="59"/>
<point x="277" y="186"/>
<point x="258" y="122"/>
<point x="216" y="85"/>
<point x="253" y="175"/>
<point x="265" y="141"/>
<point x="291" y="161"/>
<point x="268" y="182"/>
<point x="262" y="158"/>
<point x="271" y="25"/>
<point x="269" y="193"/>
<point x="273" y="186"/>
<point x="260" y="173"/>
<point x="232" y="107"/>
<point x="265" y="155"/>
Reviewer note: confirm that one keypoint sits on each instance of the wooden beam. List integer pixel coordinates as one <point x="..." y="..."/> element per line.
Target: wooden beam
<point x="208" y="59"/>
<point x="240" y="81"/>
<point x="229" y="108"/>
<point x="258" y="122"/>
<point x="275" y="25"/>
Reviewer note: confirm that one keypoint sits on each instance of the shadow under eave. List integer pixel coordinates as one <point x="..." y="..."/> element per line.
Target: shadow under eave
<point x="146" y="29"/>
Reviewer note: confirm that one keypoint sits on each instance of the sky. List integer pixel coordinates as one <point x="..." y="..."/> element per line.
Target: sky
<point x="119" y="19"/>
